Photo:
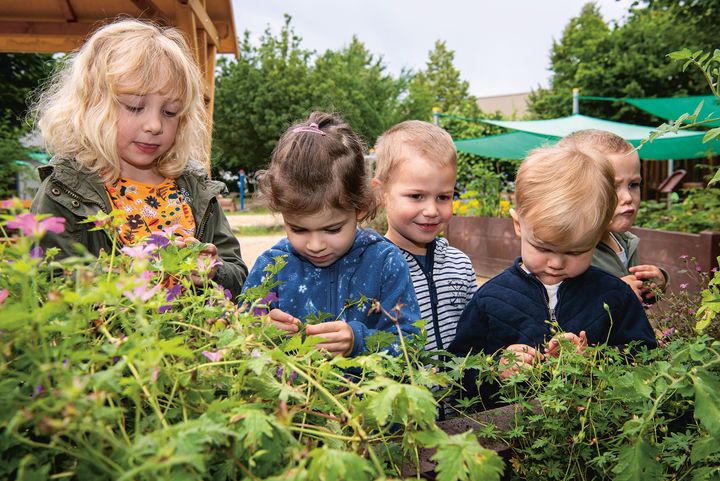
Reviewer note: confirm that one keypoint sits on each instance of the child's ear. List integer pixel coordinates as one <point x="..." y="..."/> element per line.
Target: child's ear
<point x="378" y="190"/>
<point x="516" y="222"/>
<point x="361" y="215"/>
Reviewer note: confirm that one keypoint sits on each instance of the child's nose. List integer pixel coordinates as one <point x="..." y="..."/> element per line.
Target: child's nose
<point x="624" y="196"/>
<point x="430" y="209"/>
<point x="556" y="261"/>
<point x="316" y="243"/>
<point x="153" y="123"/>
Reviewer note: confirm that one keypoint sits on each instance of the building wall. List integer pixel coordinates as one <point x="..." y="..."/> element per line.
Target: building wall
<point x="511" y="106"/>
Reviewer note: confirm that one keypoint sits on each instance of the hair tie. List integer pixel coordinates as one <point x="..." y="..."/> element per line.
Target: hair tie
<point x="312" y="128"/>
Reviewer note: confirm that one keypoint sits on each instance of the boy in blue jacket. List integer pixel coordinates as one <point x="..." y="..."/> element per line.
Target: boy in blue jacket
<point x="565" y="199"/>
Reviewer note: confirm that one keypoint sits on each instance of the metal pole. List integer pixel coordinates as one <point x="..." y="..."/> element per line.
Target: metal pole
<point x="671" y="169"/>
<point x="576" y="101"/>
<point x="436" y="116"/>
<point x="241" y="185"/>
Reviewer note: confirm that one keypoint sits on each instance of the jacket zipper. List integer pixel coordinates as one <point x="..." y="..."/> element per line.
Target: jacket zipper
<point x="204" y="221"/>
<point x="430" y="261"/>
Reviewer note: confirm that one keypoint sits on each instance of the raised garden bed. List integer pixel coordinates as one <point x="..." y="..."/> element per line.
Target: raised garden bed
<point x="492" y="245"/>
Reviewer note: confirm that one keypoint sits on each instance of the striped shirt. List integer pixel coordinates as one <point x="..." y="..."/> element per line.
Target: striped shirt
<point x="443" y="289"/>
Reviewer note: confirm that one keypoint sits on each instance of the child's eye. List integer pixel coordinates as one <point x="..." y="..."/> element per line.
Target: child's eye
<point x="415" y="196"/>
<point x="444" y="198"/>
<point x="634" y="185"/>
<point x="132" y="108"/>
<point x="169" y="113"/>
<point x="334" y="230"/>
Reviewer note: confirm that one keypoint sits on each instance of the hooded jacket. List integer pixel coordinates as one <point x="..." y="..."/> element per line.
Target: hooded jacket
<point x="73" y="193"/>
<point x="373" y="267"/>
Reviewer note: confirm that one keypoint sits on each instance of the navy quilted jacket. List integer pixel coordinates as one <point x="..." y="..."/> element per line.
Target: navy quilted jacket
<point x="512" y="308"/>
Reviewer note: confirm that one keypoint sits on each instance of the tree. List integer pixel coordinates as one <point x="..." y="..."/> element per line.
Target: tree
<point x="439" y="85"/>
<point x="629" y="60"/>
<point x="20" y="75"/>
<point x="258" y="97"/>
<point x="354" y="83"/>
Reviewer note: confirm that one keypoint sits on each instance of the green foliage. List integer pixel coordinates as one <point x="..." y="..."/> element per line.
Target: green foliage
<point x="440" y="86"/>
<point x="627" y="60"/>
<point x="104" y="374"/>
<point x="278" y="83"/>
<point x="698" y="211"/>
<point x="603" y="414"/>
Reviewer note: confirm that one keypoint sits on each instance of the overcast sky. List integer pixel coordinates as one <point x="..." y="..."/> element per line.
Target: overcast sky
<point x="501" y="46"/>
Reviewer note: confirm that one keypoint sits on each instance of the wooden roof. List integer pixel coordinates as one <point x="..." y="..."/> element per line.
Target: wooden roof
<point x="50" y="26"/>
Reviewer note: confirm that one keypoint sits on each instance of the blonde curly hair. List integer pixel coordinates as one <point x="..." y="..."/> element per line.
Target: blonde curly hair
<point x="77" y="112"/>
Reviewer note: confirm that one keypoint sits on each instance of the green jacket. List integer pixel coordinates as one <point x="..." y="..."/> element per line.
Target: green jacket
<point x="606" y="259"/>
<point x="70" y="192"/>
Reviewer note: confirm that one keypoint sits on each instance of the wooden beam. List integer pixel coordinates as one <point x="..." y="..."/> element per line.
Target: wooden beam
<point x="67" y="10"/>
<point x="34" y="43"/>
<point x="149" y="9"/>
<point x="199" y="10"/>
<point x="74" y="29"/>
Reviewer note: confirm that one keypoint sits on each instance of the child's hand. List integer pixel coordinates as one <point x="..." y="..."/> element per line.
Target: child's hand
<point x="525" y="356"/>
<point x="284" y="321"/>
<point x="338" y="336"/>
<point x="653" y="275"/>
<point x="635" y="284"/>
<point x="553" y="347"/>
<point x="208" y="259"/>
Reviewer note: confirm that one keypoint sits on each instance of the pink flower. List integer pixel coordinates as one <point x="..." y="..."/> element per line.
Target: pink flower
<point x="684" y="256"/>
<point x="683" y="285"/>
<point x="214" y="356"/>
<point x="31" y="226"/>
<point x="3" y="295"/>
<point x="140" y="251"/>
<point x="206" y="264"/>
<point x="8" y="203"/>
<point x="140" y="291"/>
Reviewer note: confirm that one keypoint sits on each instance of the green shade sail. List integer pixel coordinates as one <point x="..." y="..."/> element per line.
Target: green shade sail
<point x="671" y="108"/>
<point x="529" y="134"/>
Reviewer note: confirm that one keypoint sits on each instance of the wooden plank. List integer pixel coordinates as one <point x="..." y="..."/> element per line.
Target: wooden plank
<point x="202" y="16"/>
<point x="67" y="10"/>
<point x="34" y="43"/>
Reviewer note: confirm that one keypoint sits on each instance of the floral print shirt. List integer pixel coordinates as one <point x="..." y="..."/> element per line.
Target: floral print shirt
<point x="151" y="208"/>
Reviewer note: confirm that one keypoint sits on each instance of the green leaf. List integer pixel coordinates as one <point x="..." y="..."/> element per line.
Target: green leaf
<point x="460" y="457"/>
<point x="711" y="134"/>
<point x="707" y="401"/>
<point x="638" y="463"/>
<point x="404" y="403"/>
<point x="703" y="449"/>
<point x="331" y="464"/>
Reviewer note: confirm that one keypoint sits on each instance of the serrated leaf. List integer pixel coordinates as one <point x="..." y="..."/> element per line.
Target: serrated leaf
<point x="707" y="402"/>
<point x="703" y="449"/>
<point x="402" y="403"/>
<point x="637" y="463"/>
<point x="332" y="464"/>
<point x="460" y="457"/>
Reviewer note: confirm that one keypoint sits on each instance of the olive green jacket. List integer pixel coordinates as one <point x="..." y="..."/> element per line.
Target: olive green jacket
<point x="70" y="192"/>
<point x="607" y="259"/>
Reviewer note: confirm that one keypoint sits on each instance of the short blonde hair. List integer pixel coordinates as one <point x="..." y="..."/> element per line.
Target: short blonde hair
<point x="603" y="141"/>
<point x="77" y="112"/>
<point x="566" y="194"/>
<point x="413" y="137"/>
